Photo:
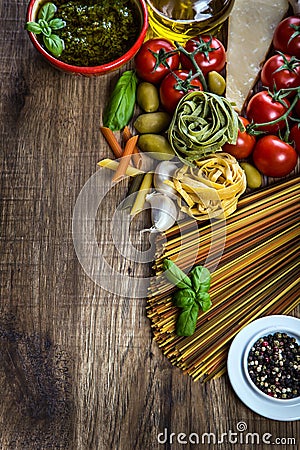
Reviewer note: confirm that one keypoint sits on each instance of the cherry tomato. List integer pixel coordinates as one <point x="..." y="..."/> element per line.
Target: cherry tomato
<point x="282" y="36"/>
<point x="147" y="58"/>
<point x="295" y="137"/>
<point x="244" y="144"/>
<point x="211" y="54"/>
<point x="170" y="91"/>
<point x="273" y="157"/>
<point x="262" y="108"/>
<point x="280" y="71"/>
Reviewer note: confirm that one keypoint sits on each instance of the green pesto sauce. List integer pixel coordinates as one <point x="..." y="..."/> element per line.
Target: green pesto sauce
<point x="97" y="31"/>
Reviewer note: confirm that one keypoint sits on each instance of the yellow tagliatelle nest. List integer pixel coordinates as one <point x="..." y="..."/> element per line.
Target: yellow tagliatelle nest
<point x="211" y="189"/>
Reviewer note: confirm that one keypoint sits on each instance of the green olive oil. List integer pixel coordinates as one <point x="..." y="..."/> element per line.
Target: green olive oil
<point x="180" y="20"/>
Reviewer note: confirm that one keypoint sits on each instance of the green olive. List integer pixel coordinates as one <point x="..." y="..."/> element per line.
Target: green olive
<point x="158" y="146"/>
<point x="147" y="97"/>
<point x="155" y="122"/>
<point x="253" y="176"/>
<point x="216" y="83"/>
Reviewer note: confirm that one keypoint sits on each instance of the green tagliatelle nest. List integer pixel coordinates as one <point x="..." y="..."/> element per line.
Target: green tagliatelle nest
<point x="202" y="123"/>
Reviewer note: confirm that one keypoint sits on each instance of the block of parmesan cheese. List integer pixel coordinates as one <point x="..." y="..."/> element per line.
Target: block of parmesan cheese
<point x="251" y="27"/>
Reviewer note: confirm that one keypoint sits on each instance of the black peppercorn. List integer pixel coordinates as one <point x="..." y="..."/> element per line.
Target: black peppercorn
<point x="273" y="365"/>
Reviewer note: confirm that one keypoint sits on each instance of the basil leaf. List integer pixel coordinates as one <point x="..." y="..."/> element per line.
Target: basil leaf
<point x="203" y="299"/>
<point x="57" y="24"/>
<point x="33" y="27"/>
<point x="46" y="30"/>
<point x="54" y="44"/>
<point x="176" y="275"/>
<point x="47" y="11"/>
<point x="200" y="277"/>
<point x="121" y="105"/>
<point x="187" y="320"/>
<point x="184" y="298"/>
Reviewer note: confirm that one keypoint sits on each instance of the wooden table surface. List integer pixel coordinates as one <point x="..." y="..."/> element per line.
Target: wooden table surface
<point x="78" y="365"/>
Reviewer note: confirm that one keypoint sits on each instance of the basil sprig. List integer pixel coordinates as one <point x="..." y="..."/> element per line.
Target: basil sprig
<point x="120" y="107"/>
<point x="192" y="294"/>
<point x="45" y="25"/>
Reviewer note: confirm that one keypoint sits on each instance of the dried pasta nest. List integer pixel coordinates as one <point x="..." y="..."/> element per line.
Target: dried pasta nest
<point x="211" y="189"/>
<point x="203" y="122"/>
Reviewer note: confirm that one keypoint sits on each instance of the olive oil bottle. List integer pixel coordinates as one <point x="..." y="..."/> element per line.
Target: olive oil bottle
<point x="179" y="20"/>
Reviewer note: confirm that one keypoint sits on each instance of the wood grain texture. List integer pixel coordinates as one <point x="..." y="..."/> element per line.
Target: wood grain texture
<point x="78" y="367"/>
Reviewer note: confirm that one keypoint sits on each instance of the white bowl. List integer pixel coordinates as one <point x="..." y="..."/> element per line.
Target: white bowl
<point x="245" y="389"/>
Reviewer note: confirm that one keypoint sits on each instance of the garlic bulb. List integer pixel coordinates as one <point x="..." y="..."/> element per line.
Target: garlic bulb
<point x="164" y="171"/>
<point x="163" y="212"/>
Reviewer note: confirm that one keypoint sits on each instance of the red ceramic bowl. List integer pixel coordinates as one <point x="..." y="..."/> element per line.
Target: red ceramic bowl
<point x="32" y="11"/>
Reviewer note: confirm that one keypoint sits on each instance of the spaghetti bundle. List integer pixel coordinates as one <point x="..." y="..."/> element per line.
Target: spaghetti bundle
<point x="255" y="276"/>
